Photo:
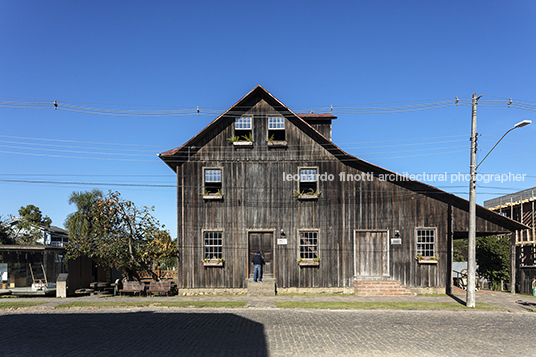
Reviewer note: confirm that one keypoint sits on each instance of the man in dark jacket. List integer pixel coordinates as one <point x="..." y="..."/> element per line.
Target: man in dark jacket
<point x="257" y="261"/>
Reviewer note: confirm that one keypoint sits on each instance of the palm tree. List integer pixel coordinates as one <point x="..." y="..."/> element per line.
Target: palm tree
<point x="79" y="223"/>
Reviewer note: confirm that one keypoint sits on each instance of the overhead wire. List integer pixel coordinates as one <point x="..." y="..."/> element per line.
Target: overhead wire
<point x="366" y="108"/>
<point x="291" y="149"/>
<point x="31" y="144"/>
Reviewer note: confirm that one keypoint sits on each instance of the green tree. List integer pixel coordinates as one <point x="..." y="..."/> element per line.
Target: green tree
<point x="79" y="224"/>
<point x="459" y="250"/>
<point x="493" y="259"/>
<point x="27" y="230"/>
<point x="33" y="215"/>
<point x="120" y="235"/>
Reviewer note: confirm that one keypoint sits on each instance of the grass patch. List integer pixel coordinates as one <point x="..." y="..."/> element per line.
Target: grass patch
<point x="313" y="294"/>
<point x="153" y="304"/>
<point x="527" y="296"/>
<point x="384" y="305"/>
<point x="19" y="304"/>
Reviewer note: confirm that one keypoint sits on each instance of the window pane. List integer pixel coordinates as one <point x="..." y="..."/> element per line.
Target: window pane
<point x="308" y="245"/>
<point x="426" y="242"/>
<point x="308" y="175"/>
<point x="276" y="123"/>
<point x="212" y="175"/>
<point x="243" y="123"/>
<point x="213" y="245"/>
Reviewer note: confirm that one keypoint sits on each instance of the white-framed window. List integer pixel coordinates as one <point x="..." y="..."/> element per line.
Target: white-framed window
<point x="426" y="242"/>
<point x="243" y="123"/>
<point x="213" y="243"/>
<point x="308" y="244"/>
<point x="308" y="180"/>
<point x="212" y="181"/>
<point x="276" y="129"/>
<point x="244" y="128"/>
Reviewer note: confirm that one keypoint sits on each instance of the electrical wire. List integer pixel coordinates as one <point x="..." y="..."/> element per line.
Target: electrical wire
<point x="367" y="108"/>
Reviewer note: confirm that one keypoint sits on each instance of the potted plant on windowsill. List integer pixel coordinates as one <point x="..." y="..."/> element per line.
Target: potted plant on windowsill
<point x="213" y="262"/>
<point x="244" y="140"/>
<point x="276" y="143"/>
<point x="426" y="260"/>
<point x="309" y="262"/>
<point x="309" y="195"/>
<point x="218" y="195"/>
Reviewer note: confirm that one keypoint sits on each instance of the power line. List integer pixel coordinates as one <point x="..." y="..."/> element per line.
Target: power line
<point x="365" y="108"/>
<point x="71" y="157"/>
<point x="75" y="141"/>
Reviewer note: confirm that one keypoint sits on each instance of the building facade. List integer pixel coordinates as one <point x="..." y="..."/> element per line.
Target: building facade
<point x="263" y="178"/>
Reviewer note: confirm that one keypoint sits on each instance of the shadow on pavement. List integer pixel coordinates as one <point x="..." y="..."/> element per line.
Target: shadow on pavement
<point x="527" y="305"/>
<point x="136" y="333"/>
<point x="457" y="299"/>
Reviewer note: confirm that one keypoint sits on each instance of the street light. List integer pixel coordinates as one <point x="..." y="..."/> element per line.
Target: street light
<point x="471" y="259"/>
<point x="518" y="125"/>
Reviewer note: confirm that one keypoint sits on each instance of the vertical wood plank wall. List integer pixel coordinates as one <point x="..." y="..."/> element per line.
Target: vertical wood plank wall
<point x="256" y="196"/>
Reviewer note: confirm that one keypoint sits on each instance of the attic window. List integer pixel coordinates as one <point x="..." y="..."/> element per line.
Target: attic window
<point x="308" y="181"/>
<point x="212" y="182"/>
<point x="243" y="129"/>
<point x="276" y="129"/>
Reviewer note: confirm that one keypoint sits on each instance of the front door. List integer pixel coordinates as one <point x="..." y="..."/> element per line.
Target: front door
<point x="371" y="253"/>
<point x="261" y="242"/>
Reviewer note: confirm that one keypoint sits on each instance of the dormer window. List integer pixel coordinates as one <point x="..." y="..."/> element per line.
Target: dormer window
<point x="243" y="129"/>
<point x="276" y="129"/>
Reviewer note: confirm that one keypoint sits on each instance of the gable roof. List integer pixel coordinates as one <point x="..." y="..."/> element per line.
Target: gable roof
<point x="176" y="157"/>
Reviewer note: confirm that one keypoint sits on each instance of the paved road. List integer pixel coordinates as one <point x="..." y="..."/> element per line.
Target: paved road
<point x="265" y="332"/>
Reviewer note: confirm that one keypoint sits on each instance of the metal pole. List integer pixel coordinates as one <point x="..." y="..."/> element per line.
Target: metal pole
<point x="471" y="259"/>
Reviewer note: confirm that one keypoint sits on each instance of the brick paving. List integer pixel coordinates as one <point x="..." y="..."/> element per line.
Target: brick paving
<point x="262" y="330"/>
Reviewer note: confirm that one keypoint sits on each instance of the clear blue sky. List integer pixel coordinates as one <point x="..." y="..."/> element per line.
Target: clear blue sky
<point x="171" y="55"/>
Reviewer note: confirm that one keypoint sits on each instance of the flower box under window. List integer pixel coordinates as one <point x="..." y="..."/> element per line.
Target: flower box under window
<point x="308" y="196"/>
<point x="213" y="196"/>
<point x="309" y="263"/>
<point x="242" y="143"/>
<point x="213" y="263"/>
<point x="277" y="143"/>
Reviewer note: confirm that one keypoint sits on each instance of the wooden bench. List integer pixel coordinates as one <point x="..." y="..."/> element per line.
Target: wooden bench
<point x="159" y="287"/>
<point x="132" y="287"/>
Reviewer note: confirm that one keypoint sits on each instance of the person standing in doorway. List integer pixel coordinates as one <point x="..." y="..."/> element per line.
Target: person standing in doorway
<point x="257" y="261"/>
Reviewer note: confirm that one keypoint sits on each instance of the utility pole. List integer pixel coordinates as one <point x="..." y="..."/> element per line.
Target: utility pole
<point x="471" y="254"/>
<point x="471" y="258"/>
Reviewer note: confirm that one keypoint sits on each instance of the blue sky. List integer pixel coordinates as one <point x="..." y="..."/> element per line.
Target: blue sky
<point x="177" y="56"/>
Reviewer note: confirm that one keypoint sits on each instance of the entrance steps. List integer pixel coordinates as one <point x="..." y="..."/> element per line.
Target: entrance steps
<point x="381" y="288"/>
<point x="266" y="288"/>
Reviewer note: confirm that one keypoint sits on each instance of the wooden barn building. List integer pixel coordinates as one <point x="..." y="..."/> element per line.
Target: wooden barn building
<point x="263" y="178"/>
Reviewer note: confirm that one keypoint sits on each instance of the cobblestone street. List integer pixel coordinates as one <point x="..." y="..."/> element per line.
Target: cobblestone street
<point x="265" y="332"/>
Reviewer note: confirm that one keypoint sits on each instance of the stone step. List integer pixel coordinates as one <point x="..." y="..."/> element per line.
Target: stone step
<point x="266" y="288"/>
<point x="377" y="282"/>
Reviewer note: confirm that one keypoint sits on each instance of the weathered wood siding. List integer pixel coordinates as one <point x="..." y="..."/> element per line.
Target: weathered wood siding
<point x="256" y="196"/>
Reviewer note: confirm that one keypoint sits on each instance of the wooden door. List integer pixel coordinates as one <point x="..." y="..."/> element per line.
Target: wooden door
<point x="371" y="254"/>
<point x="261" y="242"/>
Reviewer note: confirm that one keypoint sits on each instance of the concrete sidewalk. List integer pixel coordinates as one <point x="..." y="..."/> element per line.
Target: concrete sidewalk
<point x="512" y="303"/>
